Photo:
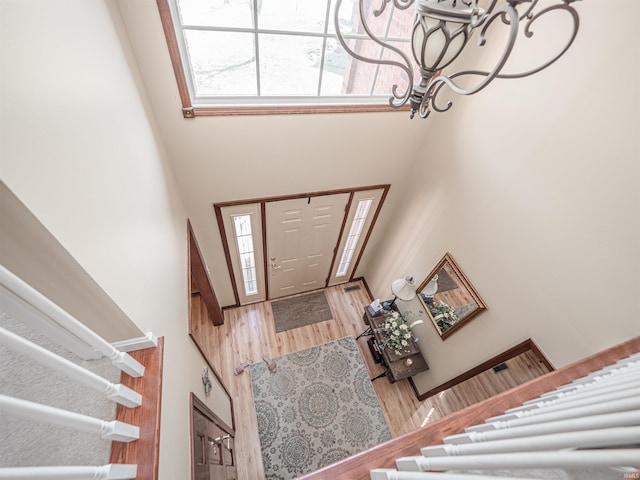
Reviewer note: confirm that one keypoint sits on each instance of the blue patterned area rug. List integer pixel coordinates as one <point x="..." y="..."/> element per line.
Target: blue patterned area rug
<point x="318" y="407"/>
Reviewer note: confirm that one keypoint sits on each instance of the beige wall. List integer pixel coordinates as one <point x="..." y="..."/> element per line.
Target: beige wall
<point x="219" y="159"/>
<point x="82" y="152"/>
<point x="532" y="185"/>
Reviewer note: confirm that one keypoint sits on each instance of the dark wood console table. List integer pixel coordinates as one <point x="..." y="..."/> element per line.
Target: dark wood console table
<point x="404" y="365"/>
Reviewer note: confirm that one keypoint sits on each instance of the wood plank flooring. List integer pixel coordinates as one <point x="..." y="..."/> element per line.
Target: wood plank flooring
<point x="249" y="333"/>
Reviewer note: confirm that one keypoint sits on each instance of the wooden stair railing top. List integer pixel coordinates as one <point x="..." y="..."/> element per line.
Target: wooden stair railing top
<point x="143" y="452"/>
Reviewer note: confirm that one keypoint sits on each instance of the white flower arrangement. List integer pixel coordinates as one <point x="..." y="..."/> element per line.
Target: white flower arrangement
<point x="444" y="315"/>
<point x="397" y="333"/>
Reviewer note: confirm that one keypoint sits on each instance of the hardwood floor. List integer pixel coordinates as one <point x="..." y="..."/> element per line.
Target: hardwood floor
<point x="249" y="333"/>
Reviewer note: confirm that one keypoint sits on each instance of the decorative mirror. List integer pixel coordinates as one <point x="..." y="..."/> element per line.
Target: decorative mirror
<point x="448" y="298"/>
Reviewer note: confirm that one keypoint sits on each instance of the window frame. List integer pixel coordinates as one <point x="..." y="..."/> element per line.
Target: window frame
<point x="377" y="194"/>
<point x="225" y="215"/>
<point x="191" y="109"/>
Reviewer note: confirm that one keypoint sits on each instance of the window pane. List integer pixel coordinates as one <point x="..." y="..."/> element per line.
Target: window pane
<point x="289" y="65"/>
<point x="292" y="15"/>
<point x="246" y="259"/>
<point x="346" y="15"/>
<point x="357" y="76"/>
<point x="244" y="238"/>
<point x="354" y="235"/>
<point x="402" y="23"/>
<point x="216" y="13"/>
<point x="245" y="244"/>
<point x="223" y="63"/>
<point x="243" y="225"/>
<point x="342" y="74"/>
<point x="389" y="76"/>
<point x="251" y="288"/>
<point x="350" y="22"/>
<point x="231" y="61"/>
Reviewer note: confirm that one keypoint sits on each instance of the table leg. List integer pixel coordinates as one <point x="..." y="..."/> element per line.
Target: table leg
<point x="368" y="332"/>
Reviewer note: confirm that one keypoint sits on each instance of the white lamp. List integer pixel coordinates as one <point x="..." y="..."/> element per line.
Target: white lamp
<point x="431" y="288"/>
<point x="404" y="289"/>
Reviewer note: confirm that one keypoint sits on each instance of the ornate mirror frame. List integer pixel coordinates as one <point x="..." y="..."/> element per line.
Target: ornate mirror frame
<point x="449" y="299"/>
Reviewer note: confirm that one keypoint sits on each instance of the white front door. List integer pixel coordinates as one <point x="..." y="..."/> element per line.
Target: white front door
<point x="302" y="235"/>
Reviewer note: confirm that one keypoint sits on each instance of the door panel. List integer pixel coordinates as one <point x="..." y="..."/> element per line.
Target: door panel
<point x="213" y="453"/>
<point x="302" y="235"/>
<point x="200" y="444"/>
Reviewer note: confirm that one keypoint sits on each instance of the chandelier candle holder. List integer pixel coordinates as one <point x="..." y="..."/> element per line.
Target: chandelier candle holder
<point x="441" y="31"/>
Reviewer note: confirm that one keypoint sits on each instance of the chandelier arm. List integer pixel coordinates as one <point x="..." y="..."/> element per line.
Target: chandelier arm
<point x="528" y="33"/>
<point x="525" y="14"/>
<point x="403" y="4"/>
<point x="489" y="9"/>
<point x="399" y="4"/>
<point x="398" y="99"/>
<point x="435" y="85"/>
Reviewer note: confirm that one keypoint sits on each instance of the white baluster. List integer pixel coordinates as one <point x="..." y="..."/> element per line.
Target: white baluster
<point x="597" y="380"/>
<point x="18" y="308"/>
<point x="600" y="438"/>
<point x="622" y="419"/>
<point x="389" y="474"/>
<point x="113" y="430"/>
<point x="117" y="393"/>
<point x="624" y="405"/>
<point x="577" y="393"/>
<point x="105" y="472"/>
<point x="570" y="403"/>
<point x="559" y="459"/>
<point x="24" y="292"/>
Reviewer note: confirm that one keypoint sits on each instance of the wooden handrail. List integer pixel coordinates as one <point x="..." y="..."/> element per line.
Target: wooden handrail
<point x="357" y="467"/>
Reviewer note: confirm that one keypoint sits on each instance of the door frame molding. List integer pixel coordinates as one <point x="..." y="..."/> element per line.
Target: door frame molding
<point x="196" y="404"/>
<point x="197" y="273"/>
<point x="262" y="201"/>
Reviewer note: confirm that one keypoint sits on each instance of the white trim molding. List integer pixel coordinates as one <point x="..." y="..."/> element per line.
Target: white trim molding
<point x="150" y="340"/>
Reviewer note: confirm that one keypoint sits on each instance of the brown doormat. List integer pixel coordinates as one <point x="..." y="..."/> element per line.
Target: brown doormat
<point x="300" y="311"/>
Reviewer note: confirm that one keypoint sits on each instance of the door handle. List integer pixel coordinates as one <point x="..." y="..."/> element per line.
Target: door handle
<point x="221" y="439"/>
<point x="273" y="264"/>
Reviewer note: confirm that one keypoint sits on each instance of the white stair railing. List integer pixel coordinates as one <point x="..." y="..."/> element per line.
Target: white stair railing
<point x="607" y="437"/>
<point x="629" y="389"/>
<point x="105" y="472"/>
<point x="624" y="405"/>
<point x="589" y="423"/>
<point x="23" y="302"/>
<point x="115" y="392"/>
<point x="582" y="401"/>
<point x="621" y="419"/>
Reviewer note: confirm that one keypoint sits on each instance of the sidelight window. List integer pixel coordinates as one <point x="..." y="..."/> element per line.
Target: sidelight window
<point x="244" y="239"/>
<point x="354" y="235"/>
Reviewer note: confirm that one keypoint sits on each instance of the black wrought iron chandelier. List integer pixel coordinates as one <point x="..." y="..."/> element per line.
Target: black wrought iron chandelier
<point x="441" y="31"/>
